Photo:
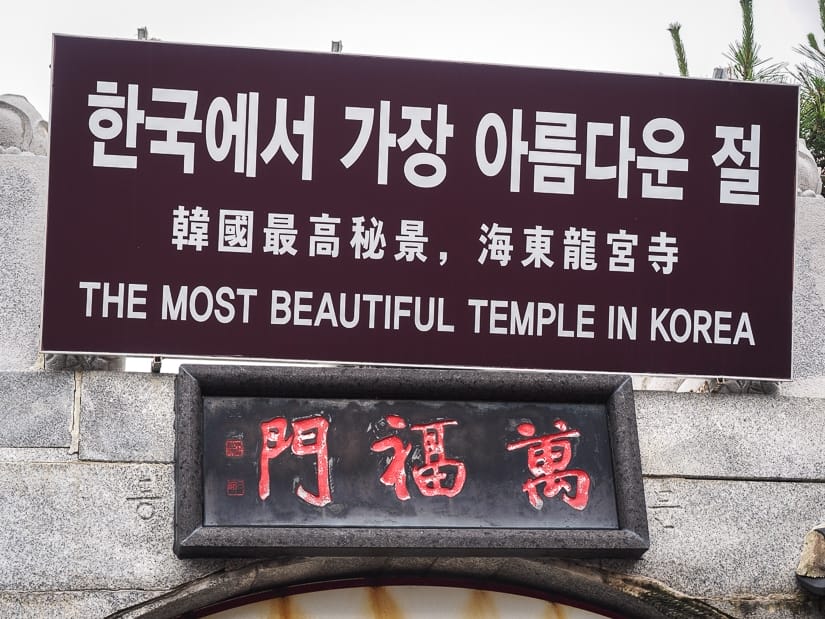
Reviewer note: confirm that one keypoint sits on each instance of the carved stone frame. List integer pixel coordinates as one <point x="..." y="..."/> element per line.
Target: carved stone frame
<point x="193" y="539"/>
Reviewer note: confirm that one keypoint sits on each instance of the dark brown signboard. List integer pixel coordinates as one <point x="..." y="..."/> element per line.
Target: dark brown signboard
<point x="281" y="461"/>
<point x="206" y="201"/>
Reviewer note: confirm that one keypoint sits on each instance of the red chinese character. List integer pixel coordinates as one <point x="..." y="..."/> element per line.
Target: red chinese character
<point x="309" y="437"/>
<point x="547" y="460"/>
<point x="437" y="469"/>
<point x="235" y="487"/>
<point x="274" y="442"/>
<point x="395" y="474"/>
<point x="233" y="448"/>
<point x="430" y="476"/>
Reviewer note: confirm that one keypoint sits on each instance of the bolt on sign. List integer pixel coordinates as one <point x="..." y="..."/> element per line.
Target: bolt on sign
<point x="418" y="461"/>
<point x="210" y="201"/>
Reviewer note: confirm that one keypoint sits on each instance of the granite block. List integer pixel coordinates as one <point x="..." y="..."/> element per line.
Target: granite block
<point x="809" y="301"/>
<point x="714" y="539"/>
<point x="72" y="526"/>
<point x="791" y="606"/>
<point x="730" y="436"/>
<point x="68" y="604"/>
<point x="36" y="454"/>
<point x="36" y="408"/>
<point x="23" y="181"/>
<point x="127" y="417"/>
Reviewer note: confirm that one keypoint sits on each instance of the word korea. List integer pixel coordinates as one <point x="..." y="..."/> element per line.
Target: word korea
<point x="303" y="308"/>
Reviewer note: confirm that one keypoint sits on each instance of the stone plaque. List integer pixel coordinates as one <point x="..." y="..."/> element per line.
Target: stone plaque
<point x="352" y="460"/>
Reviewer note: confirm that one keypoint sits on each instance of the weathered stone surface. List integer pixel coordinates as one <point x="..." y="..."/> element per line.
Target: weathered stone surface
<point x="22" y="237"/>
<point x="83" y="362"/>
<point x="730" y="542"/>
<point x="726" y="539"/>
<point x="725" y="436"/>
<point x="36" y="454"/>
<point x="22" y="128"/>
<point x="127" y="417"/>
<point x="791" y="606"/>
<point x="35" y="408"/>
<point x="812" y="557"/>
<point x="807" y="171"/>
<point x="809" y="301"/>
<point x="69" y="604"/>
<point x="85" y="526"/>
<point x="560" y="577"/>
<point x="657" y="383"/>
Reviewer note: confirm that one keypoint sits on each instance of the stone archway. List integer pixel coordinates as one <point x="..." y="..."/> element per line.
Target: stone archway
<point x="398" y="601"/>
<point x="557" y="580"/>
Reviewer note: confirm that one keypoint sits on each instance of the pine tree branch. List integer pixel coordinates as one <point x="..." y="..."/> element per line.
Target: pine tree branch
<point x="679" y="48"/>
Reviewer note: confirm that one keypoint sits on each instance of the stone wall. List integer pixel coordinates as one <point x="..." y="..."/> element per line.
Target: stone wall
<point x="732" y="482"/>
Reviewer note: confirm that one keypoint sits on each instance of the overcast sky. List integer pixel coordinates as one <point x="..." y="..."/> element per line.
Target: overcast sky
<point x="599" y="35"/>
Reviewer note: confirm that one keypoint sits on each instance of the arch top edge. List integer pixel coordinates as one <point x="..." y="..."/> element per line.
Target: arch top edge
<point x="559" y="581"/>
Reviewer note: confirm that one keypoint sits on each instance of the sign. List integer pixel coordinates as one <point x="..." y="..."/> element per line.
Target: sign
<point x="409" y="463"/>
<point x="206" y="201"/>
<point x="415" y="461"/>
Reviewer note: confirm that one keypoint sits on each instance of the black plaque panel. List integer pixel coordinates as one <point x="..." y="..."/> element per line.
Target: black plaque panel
<point x="351" y="461"/>
<point x="475" y="444"/>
